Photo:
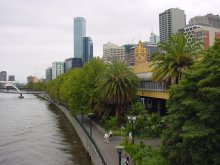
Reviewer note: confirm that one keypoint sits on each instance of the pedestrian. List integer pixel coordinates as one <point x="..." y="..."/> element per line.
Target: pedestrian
<point x="106" y="138"/>
<point x="125" y="160"/>
<point x="110" y="135"/>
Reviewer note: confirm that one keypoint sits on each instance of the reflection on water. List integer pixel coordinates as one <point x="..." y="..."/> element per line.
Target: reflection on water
<point x="35" y="132"/>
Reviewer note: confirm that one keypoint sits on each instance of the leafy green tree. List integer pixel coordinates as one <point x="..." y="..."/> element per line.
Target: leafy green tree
<point x="175" y="57"/>
<point x="117" y="87"/>
<point x="192" y="135"/>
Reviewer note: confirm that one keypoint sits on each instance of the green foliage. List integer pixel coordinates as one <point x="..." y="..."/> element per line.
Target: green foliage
<point x="76" y="88"/>
<point x="144" y="155"/>
<point x="109" y="123"/>
<point x="192" y="135"/>
<point x="175" y="58"/>
<point x="117" y="86"/>
<point x="38" y="86"/>
<point x="147" y="124"/>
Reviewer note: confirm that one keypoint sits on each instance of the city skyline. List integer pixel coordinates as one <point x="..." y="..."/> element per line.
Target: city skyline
<point x="36" y="33"/>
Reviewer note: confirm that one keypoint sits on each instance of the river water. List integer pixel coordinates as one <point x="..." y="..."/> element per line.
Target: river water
<point x="33" y="132"/>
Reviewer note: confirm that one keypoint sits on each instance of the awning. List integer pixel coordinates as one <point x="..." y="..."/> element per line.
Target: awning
<point x="145" y="76"/>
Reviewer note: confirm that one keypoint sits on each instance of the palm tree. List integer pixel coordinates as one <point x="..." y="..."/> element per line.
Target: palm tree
<point x="174" y="58"/>
<point x="117" y="86"/>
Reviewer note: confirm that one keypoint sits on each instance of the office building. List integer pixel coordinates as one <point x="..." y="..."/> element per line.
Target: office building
<point x="72" y="63"/>
<point x="113" y="52"/>
<point x="3" y="76"/>
<point x="207" y="20"/>
<point x="87" y="49"/>
<point x="170" y="21"/>
<point x="57" y="69"/>
<point x="79" y="33"/>
<point x="49" y="74"/>
<point x="201" y="33"/>
<point x="11" y="78"/>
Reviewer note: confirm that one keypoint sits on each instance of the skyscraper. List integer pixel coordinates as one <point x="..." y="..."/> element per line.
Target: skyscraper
<point x="170" y="22"/>
<point x="79" y="33"/>
<point x="87" y="49"/>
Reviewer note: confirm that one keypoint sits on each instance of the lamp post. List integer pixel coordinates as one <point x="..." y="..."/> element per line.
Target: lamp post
<point x="132" y="120"/>
<point x="90" y="123"/>
<point x="119" y="149"/>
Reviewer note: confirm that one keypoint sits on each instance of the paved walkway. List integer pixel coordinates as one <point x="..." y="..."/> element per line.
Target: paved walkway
<point x="108" y="150"/>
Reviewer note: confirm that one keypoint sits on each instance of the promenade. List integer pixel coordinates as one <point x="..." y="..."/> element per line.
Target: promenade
<point x="108" y="150"/>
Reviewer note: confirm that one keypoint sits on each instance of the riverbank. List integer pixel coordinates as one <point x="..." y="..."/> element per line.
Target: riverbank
<point x="92" y="135"/>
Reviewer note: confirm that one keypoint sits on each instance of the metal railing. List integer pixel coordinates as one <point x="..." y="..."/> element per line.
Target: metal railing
<point x="104" y="162"/>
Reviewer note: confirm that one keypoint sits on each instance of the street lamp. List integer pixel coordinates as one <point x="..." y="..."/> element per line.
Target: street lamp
<point x="119" y="149"/>
<point x="90" y="123"/>
<point x="132" y="120"/>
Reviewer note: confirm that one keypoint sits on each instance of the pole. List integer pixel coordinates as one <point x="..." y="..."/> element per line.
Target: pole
<point x="90" y="126"/>
<point x="132" y="131"/>
<point x="119" y="154"/>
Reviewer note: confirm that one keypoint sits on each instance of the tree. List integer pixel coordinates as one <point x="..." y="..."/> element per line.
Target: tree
<point x="175" y="57"/>
<point x="117" y="86"/>
<point x="192" y="135"/>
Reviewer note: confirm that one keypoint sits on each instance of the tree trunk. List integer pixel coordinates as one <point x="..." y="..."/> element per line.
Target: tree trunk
<point x="118" y="115"/>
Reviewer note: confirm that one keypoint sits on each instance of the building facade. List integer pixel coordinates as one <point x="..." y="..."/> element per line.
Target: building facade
<point x="33" y="79"/>
<point x="113" y="52"/>
<point x="49" y="74"/>
<point x="140" y="54"/>
<point x="87" y="49"/>
<point x="71" y="63"/>
<point x="204" y="34"/>
<point x="79" y="33"/>
<point x="207" y="20"/>
<point x="11" y="78"/>
<point x="57" y="69"/>
<point x="3" y="76"/>
<point x="154" y="39"/>
<point x="170" y="21"/>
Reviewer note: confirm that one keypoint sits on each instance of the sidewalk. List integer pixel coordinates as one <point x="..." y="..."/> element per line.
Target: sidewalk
<point x="108" y="150"/>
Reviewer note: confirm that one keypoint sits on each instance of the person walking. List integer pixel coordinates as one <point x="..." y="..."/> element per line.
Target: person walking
<point x="106" y="138"/>
<point x="125" y="160"/>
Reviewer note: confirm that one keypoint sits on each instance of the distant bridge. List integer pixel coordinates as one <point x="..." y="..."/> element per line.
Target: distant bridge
<point x="5" y="84"/>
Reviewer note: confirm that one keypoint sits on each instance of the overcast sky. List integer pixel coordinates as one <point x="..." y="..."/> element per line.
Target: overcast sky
<point x="35" y="33"/>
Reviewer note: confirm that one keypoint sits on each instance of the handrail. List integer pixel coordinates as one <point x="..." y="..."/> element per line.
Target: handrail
<point x="92" y="141"/>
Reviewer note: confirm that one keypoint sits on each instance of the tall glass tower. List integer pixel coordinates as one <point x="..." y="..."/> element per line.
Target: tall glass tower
<point x="87" y="49"/>
<point x="79" y="33"/>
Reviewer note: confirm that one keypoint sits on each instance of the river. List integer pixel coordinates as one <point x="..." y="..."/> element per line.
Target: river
<point x="33" y="132"/>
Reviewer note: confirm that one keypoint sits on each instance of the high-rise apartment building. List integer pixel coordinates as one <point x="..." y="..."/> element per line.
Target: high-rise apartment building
<point x="57" y="69"/>
<point x="204" y="34"/>
<point x="207" y="20"/>
<point x="3" y="76"/>
<point x="79" y="33"/>
<point x="170" y="22"/>
<point x="87" y="49"/>
<point x="49" y="74"/>
<point x="113" y="52"/>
